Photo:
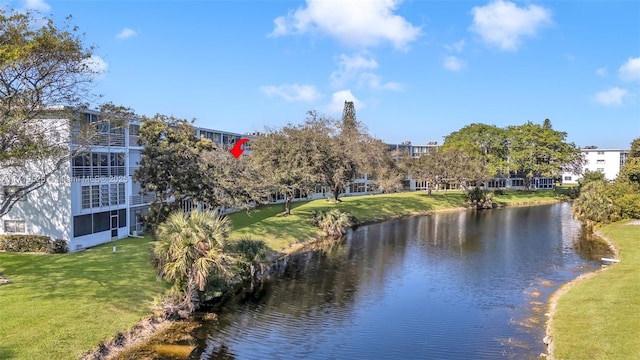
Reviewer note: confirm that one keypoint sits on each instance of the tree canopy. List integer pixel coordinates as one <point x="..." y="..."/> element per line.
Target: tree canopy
<point x="528" y="150"/>
<point x="179" y="167"/>
<point x="45" y="73"/>
<point x="320" y="152"/>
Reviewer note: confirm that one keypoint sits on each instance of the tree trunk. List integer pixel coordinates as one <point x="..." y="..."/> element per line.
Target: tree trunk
<point x="336" y="193"/>
<point x="287" y="205"/>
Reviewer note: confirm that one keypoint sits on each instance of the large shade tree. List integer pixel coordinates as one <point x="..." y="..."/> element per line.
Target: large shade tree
<point x="181" y="168"/>
<point x="320" y="151"/>
<point x="538" y="150"/>
<point x="46" y="74"/>
<point x="287" y="158"/>
<point x="488" y="143"/>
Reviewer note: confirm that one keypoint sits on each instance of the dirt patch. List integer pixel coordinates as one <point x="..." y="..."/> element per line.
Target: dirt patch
<point x="633" y="222"/>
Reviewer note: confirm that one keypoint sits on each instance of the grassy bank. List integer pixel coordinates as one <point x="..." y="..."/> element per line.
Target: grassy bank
<point x="599" y="318"/>
<point x="60" y="306"/>
<point x="281" y="232"/>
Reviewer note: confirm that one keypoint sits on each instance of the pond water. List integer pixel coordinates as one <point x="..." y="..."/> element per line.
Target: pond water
<point x="459" y="285"/>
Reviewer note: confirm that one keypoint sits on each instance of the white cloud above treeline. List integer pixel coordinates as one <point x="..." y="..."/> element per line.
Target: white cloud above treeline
<point x="358" y="23"/>
<point x="611" y="97"/>
<point x="126" y="33"/>
<point x="504" y="24"/>
<point x="630" y="70"/>
<point x="336" y="106"/>
<point x="292" y="92"/>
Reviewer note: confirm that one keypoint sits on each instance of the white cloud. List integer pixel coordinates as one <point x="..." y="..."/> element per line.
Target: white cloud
<point x="630" y="71"/>
<point x="452" y="63"/>
<point x="457" y="46"/>
<point x="353" y="22"/>
<point x="503" y="23"/>
<point x="39" y="5"/>
<point x="601" y="71"/>
<point x="292" y="92"/>
<point x="97" y="65"/>
<point x="352" y="68"/>
<point x="349" y="67"/>
<point x="126" y="33"/>
<point x="374" y="82"/>
<point x="611" y="97"/>
<point x="337" y="101"/>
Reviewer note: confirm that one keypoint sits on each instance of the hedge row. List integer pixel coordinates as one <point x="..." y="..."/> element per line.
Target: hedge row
<point x="32" y="243"/>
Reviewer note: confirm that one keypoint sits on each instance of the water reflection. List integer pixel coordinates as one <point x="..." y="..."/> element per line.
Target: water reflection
<point x="447" y="286"/>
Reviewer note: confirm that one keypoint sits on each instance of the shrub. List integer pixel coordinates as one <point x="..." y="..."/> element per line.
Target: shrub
<point x="480" y="199"/>
<point x="334" y="222"/>
<point x="251" y="253"/>
<point x="58" y="246"/>
<point x="32" y="243"/>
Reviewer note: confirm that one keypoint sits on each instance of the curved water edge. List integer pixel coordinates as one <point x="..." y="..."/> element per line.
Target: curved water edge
<point x="499" y="307"/>
<point x="555" y="297"/>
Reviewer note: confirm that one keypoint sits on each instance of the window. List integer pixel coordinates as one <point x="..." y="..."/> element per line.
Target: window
<point x="121" y="194"/>
<point x="600" y="152"/>
<point x="104" y="195"/>
<point x="86" y="197"/>
<point x="98" y="222"/>
<point x="600" y="169"/>
<point x="113" y="194"/>
<point x="14" y="226"/>
<point x="95" y="195"/>
<point x="101" y="221"/>
<point x="81" y="225"/>
<point x="122" y="218"/>
<point x="600" y="162"/>
<point x="567" y="178"/>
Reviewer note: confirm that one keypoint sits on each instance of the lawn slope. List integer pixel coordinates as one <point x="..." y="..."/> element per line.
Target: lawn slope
<point x="60" y="306"/>
<point x="599" y="318"/>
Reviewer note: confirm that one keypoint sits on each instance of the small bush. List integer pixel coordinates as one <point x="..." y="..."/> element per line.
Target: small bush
<point x="58" y="246"/>
<point x="32" y="243"/>
<point x="480" y="199"/>
<point x="252" y="254"/>
<point x="334" y="222"/>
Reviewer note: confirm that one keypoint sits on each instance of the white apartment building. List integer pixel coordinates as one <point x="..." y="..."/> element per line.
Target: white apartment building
<point x="607" y="161"/>
<point x="92" y="199"/>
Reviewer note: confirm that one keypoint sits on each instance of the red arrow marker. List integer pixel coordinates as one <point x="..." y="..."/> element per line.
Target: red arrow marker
<point x="237" y="148"/>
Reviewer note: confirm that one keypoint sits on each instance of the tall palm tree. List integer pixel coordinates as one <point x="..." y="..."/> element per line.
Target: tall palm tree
<point x="190" y="250"/>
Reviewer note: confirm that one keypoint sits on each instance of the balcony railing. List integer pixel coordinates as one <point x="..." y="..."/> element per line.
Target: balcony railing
<point x="95" y="171"/>
<point x="141" y="199"/>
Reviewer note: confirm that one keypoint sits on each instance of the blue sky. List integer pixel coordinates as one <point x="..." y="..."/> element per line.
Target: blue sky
<point x="416" y="69"/>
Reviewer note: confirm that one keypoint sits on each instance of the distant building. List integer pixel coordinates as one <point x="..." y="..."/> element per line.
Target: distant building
<point x="607" y="161"/>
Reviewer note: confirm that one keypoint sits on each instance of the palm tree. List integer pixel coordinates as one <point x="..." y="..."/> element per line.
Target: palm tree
<point x="334" y="222"/>
<point x="190" y="250"/>
<point x="251" y="253"/>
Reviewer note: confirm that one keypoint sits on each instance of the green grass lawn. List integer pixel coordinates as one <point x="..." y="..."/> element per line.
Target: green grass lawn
<point x="60" y="306"/>
<point x="599" y="318"/>
<point x="279" y="232"/>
